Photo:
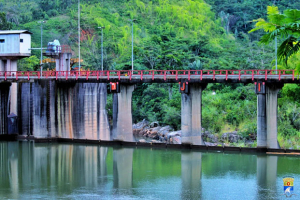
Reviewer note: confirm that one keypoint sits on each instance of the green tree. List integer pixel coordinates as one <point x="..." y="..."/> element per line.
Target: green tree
<point x="4" y="24"/>
<point x="286" y="26"/>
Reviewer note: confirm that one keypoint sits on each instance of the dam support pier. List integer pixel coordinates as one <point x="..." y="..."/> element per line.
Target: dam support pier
<point x="267" y="109"/>
<point x="191" y="108"/>
<point x="122" y="114"/>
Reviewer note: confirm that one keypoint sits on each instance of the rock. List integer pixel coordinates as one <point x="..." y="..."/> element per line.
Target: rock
<point x="142" y="140"/>
<point x="154" y="124"/>
<point x="207" y="136"/>
<point x="231" y="137"/>
<point x="140" y="127"/>
<point x="155" y="141"/>
<point x="210" y="144"/>
<point x="176" y="140"/>
<point x="174" y="137"/>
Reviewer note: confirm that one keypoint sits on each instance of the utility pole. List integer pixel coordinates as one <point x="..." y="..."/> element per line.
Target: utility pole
<point x="276" y="53"/>
<point x="132" y="20"/>
<point x="41" y="62"/>
<point x="102" y="27"/>
<point x="79" y="34"/>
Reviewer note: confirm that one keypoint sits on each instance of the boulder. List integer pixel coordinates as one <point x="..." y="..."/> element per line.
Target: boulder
<point x="142" y="140"/>
<point x="231" y="137"/>
<point x="208" y="137"/>
<point x="154" y="124"/>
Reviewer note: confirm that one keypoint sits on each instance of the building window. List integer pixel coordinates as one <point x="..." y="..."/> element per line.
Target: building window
<point x="21" y="40"/>
<point x="2" y="40"/>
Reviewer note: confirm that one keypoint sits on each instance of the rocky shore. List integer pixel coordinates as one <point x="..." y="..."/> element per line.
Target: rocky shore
<point x="153" y="132"/>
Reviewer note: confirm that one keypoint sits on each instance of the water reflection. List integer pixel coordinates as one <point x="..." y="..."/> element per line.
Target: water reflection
<point x="191" y="175"/>
<point x="36" y="171"/>
<point x="122" y="169"/>
<point x="54" y="169"/>
<point x="266" y="176"/>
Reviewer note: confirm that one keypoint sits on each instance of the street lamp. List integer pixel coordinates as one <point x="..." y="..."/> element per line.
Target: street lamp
<point x="102" y="27"/>
<point x="132" y="20"/>
<point x="41" y="45"/>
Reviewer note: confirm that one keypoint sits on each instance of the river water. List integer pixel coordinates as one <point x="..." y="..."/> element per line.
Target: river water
<point x="31" y="170"/>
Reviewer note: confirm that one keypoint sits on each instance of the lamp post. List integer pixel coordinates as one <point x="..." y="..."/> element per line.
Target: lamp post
<point x="79" y="35"/>
<point x="41" y="46"/>
<point x="132" y="20"/>
<point x="102" y="27"/>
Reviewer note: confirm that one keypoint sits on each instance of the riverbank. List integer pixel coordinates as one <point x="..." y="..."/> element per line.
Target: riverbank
<point x="153" y="132"/>
<point x="152" y="145"/>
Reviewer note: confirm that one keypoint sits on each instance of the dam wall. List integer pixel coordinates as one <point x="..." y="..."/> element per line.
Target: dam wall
<point x="50" y="109"/>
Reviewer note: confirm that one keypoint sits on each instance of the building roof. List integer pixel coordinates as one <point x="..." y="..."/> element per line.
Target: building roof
<point x="5" y="32"/>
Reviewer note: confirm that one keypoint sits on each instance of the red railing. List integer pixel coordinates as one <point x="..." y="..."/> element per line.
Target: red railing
<point x="153" y="74"/>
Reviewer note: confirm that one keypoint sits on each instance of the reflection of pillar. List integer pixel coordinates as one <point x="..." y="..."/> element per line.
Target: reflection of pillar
<point x="13" y="151"/>
<point x="191" y="175"/>
<point x="191" y="106"/>
<point x="123" y="168"/>
<point x="90" y="166"/>
<point x="102" y="160"/>
<point x="122" y="129"/>
<point x="266" y="176"/>
<point x="27" y="155"/>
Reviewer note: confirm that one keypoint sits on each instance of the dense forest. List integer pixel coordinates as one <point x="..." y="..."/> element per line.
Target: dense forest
<point x="169" y="34"/>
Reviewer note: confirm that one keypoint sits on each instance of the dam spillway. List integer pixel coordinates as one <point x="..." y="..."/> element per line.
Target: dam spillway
<point x="50" y="109"/>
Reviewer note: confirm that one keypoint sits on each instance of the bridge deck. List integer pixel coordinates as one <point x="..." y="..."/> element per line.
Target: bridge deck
<point x="156" y="76"/>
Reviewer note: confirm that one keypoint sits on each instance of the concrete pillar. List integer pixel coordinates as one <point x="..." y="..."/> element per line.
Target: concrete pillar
<point x="271" y="113"/>
<point x="266" y="176"/>
<point x="63" y="62"/>
<point x="191" y="175"/>
<point x="2" y="65"/>
<point x="260" y="90"/>
<point x="12" y="66"/>
<point x="122" y="114"/>
<point x="191" y="106"/>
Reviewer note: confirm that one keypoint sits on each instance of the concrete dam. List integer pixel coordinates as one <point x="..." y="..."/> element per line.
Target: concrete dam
<point x="51" y="109"/>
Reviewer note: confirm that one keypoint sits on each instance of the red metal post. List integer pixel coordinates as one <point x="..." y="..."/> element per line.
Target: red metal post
<point x="214" y="72"/>
<point x="119" y="75"/>
<point x="107" y="75"/>
<point x="153" y="75"/>
<point x="201" y="76"/>
<point x="176" y="75"/>
<point x="239" y="75"/>
<point x="129" y="75"/>
<point x="252" y="75"/>
<point x="279" y="75"/>
<point x="28" y="75"/>
<point x="266" y="74"/>
<point x="165" y="74"/>
<point x="226" y="75"/>
<point x="141" y="75"/>
<point x="77" y="73"/>
<point x="293" y="75"/>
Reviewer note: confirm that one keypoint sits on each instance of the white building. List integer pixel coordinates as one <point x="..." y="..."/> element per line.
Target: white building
<point x="15" y="44"/>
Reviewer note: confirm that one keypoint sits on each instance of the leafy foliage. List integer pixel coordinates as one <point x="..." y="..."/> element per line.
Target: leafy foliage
<point x="286" y="25"/>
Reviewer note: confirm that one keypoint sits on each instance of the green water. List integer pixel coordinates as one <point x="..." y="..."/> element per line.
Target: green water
<point x="53" y="171"/>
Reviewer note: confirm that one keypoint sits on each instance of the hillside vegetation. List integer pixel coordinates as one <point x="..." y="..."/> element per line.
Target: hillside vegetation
<point x="169" y="34"/>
